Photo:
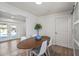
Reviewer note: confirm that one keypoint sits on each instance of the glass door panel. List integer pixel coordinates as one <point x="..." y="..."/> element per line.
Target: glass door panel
<point x="3" y="32"/>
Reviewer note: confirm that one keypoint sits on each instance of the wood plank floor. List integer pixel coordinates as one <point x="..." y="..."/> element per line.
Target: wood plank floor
<point x="60" y="51"/>
<point x="9" y="48"/>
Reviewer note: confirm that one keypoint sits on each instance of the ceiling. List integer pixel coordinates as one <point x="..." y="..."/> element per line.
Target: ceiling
<point x="45" y="8"/>
<point x="10" y="16"/>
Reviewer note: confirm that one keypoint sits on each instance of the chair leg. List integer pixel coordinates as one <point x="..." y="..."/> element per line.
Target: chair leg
<point x="45" y="54"/>
<point x="30" y="53"/>
<point x="48" y="52"/>
<point x="34" y="53"/>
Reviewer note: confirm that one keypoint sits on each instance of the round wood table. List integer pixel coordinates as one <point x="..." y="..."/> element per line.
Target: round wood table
<point x="31" y="43"/>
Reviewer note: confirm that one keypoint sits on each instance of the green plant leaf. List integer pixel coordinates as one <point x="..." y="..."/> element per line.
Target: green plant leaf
<point x="38" y="27"/>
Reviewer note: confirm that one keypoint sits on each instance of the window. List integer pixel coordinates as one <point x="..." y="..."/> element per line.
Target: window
<point x="13" y="30"/>
<point x="13" y="33"/>
<point x="3" y="30"/>
<point x="7" y="31"/>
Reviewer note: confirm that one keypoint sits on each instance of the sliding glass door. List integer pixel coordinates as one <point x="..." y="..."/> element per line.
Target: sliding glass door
<point x="7" y="31"/>
<point x="12" y="32"/>
<point x="3" y="31"/>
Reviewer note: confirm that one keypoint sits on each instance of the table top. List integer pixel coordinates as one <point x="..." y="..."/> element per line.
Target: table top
<point x="31" y="43"/>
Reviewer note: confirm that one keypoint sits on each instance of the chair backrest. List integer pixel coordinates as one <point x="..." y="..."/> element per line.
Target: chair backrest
<point x="50" y="42"/>
<point x="43" y="48"/>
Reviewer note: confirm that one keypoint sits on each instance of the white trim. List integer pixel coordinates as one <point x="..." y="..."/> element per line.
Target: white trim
<point x="77" y="22"/>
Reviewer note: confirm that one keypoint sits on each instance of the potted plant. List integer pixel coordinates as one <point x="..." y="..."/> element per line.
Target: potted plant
<point x="37" y="28"/>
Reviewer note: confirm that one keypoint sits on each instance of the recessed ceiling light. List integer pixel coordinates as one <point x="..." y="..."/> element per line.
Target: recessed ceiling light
<point x="38" y="3"/>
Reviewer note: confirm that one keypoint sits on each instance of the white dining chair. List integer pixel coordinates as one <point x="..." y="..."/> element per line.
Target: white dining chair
<point x="50" y="45"/>
<point x="50" y="42"/>
<point x="42" y="49"/>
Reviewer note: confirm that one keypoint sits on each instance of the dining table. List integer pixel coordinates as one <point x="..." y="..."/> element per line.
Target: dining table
<point x="31" y="42"/>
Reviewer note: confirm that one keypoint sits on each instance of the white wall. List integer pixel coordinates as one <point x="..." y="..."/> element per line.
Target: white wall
<point x="48" y="23"/>
<point x="30" y="23"/>
<point x="30" y="19"/>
